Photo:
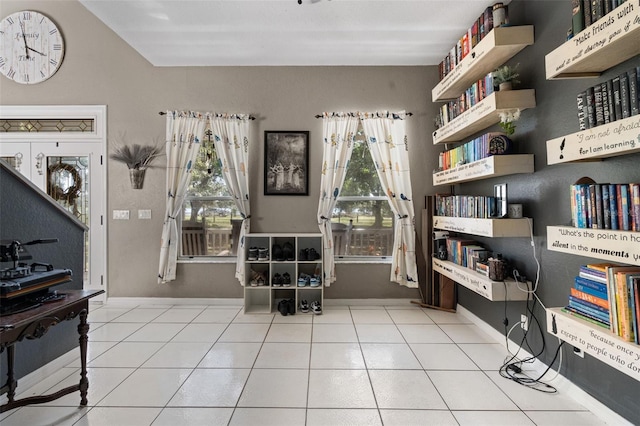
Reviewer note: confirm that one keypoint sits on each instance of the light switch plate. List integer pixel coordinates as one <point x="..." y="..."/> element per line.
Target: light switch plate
<point x="121" y="214"/>
<point x="144" y="214"/>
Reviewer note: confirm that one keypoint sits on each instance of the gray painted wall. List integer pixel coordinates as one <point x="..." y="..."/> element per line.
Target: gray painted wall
<point x="100" y="68"/>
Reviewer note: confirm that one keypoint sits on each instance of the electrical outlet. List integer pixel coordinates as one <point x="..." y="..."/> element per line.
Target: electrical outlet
<point x="524" y="322"/>
<point x="578" y="352"/>
<point x="121" y="214"/>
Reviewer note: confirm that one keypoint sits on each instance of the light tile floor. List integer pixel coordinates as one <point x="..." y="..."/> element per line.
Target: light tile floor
<point x="214" y="365"/>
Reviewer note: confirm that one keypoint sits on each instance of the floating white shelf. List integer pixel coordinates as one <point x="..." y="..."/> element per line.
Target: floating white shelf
<point x="608" y="42"/>
<point x="597" y="341"/>
<point x="608" y="140"/>
<point x="492" y="290"/>
<point x="484" y="114"/>
<point x="494" y="49"/>
<point x="496" y="165"/>
<point x="605" y="244"/>
<point x="484" y="227"/>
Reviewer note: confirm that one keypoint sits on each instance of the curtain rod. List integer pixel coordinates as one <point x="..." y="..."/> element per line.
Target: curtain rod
<point x="409" y="114"/>
<point x="251" y="117"/>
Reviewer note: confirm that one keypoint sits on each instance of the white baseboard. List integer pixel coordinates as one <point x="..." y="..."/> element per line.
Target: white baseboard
<point x="134" y="301"/>
<point x="368" y="302"/>
<point x="560" y="382"/>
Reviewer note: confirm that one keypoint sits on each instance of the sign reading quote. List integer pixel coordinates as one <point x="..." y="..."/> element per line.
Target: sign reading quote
<point x="608" y="140"/>
<point x="596" y="341"/>
<point x="614" y="246"/>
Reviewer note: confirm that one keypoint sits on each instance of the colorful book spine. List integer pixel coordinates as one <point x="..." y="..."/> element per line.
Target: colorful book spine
<point x="588" y="308"/>
<point x="590" y="298"/>
<point x="585" y="317"/>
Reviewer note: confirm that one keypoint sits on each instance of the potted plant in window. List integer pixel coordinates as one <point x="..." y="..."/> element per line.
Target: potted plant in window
<point x="137" y="158"/>
<point x="506" y="76"/>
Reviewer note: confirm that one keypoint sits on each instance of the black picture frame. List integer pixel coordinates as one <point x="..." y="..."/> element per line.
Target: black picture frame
<point x="286" y="162"/>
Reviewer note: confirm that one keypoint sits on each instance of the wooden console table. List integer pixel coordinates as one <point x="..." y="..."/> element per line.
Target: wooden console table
<point x="35" y="323"/>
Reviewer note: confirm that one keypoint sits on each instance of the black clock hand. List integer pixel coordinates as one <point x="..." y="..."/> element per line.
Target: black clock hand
<point x="34" y="50"/>
<point x="24" y="37"/>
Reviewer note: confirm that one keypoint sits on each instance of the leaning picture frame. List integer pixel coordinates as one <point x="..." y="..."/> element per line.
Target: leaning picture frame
<point x="286" y="162"/>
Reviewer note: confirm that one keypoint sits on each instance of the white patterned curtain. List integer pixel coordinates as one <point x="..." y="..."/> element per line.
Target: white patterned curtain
<point x="184" y="132"/>
<point x="387" y="141"/>
<point x="231" y="142"/>
<point x="338" y="132"/>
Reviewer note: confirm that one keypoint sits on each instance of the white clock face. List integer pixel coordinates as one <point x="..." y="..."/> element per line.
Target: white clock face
<point x="31" y="47"/>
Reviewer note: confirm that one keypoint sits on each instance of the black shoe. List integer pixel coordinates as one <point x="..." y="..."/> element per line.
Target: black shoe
<point x="286" y="279"/>
<point x="276" y="252"/>
<point x="283" y="307"/>
<point x="313" y="254"/>
<point x="277" y="280"/>
<point x="291" y="305"/>
<point x="304" y="254"/>
<point x="288" y="251"/>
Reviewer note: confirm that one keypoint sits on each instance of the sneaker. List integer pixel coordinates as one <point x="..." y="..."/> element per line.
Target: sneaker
<point x="303" y="280"/>
<point x="253" y="254"/>
<point x="254" y="278"/>
<point x="315" y="281"/>
<point x="277" y="280"/>
<point x="291" y="306"/>
<point x="304" y="255"/>
<point x="277" y="253"/>
<point x="288" y="252"/>
<point x="316" y="308"/>
<point x="263" y="253"/>
<point x="283" y="307"/>
<point x="304" y="306"/>
<point x="286" y="279"/>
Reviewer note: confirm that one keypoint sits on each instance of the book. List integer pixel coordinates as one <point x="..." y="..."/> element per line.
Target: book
<point x="591" y="109"/>
<point x="591" y="291"/>
<point x="596" y="283"/>
<point x="634" y="189"/>
<point x="598" y="202"/>
<point x="614" y="297"/>
<point x="597" y="10"/>
<point x="583" y="316"/>
<point x="581" y="101"/>
<point x="586" y="11"/>
<point x="633" y="302"/>
<point x="617" y="101"/>
<point x="588" y="308"/>
<point x="625" y="102"/>
<point x="603" y="303"/>
<point x="633" y="91"/>
<point x="606" y="207"/>
<point x="605" y="103"/>
<point x="636" y="294"/>
<point x="622" y="300"/>
<point x="577" y="20"/>
<point x="613" y="204"/>
<point x="623" y="213"/>
<point x="612" y="111"/>
<point x="597" y="102"/>
<point x="590" y="206"/>
<point x="607" y="7"/>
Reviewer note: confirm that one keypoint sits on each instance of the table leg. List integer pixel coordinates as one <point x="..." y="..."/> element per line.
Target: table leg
<point x="83" y="329"/>
<point x="11" y="379"/>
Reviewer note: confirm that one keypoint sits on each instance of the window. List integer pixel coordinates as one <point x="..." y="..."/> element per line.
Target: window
<point x="210" y="220"/>
<point x="362" y="221"/>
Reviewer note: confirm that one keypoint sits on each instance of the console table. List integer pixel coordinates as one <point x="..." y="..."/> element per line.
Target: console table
<point x="35" y="323"/>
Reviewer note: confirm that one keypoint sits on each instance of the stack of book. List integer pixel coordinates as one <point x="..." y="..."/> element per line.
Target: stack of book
<point x="467" y="253"/>
<point x="480" y="28"/>
<point x="587" y="12"/>
<point x="610" y="101"/>
<point x="474" y="94"/>
<point x="607" y="295"/>
<point x="470" y="206"/>
<point x="606" y="206"/>
<point x="474" y="150"/>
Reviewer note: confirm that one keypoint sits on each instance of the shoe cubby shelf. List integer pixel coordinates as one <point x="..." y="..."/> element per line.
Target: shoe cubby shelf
<point x="484" y="114"/>
<point x="604" y="244"/>
<point x="264" y="295"/>
<point x="496" y="165"/>
<point x="595" y="340"/>
<point x="481" y="284"/>
<point x="608" y="42"/>
<point x="484" y="227"/>
<point x="608" y="140"/>
<point x="494" y="49"/>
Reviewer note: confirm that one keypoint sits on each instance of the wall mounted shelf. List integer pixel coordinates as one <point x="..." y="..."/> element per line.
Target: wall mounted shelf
<point x="497" y="47"/>
<point x="608" y="140"/>
<point x="484" y="227"/>
<point x="605" y="244"/>
<point x="484" y="114"/>
<point x="492" y="290"/>
<point x="597" y="341"/>
<point x="496" y="165"/>
<point x="608" y="42"/>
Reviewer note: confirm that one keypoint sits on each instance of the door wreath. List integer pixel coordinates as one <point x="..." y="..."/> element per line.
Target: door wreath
<point x="56" y="191"/>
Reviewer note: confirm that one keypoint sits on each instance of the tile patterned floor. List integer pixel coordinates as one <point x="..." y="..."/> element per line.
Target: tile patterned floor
<point x="359" y="365"/>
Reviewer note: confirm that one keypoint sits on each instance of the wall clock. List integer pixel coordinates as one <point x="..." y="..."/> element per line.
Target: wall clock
<point x="31" y="47"/>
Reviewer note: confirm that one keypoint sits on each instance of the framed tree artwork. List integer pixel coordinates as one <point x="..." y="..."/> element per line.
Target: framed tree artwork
<point x="286" y="162"/>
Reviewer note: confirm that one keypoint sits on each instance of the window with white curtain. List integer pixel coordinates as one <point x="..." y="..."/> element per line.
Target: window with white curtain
<point x="362" y="221"/>
<point x="210" y="219"/>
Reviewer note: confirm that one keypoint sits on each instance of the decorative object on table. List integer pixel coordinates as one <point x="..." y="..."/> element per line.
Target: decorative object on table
<point x="138" y="159"/>
<point x="506" y="76"/>
<point x="507" y="118"/>
<point x="32" y="47"/>
<point x="286" y="162"/>
<point x="500" y="15"/>
<point x="497" y="268"/>
<point x="499" y="144"/>
<point x="515" y="211"/>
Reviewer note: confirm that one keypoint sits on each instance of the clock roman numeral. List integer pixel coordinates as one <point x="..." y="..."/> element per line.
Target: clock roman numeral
<point x="26" y="16"/>
<point x="53" y="31"/>
<point x="11" y="73"/>
<point x="2" y="62"/>
<point x="26" y="78"/>
<point x="42" y="74"/>
<point x="53" y="62"/>
<point x="10" y="21"/>
<point x="57" y="47"/>
<point x="42" y="20"/>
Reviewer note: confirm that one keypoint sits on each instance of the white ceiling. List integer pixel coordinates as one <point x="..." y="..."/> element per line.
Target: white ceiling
<point x="282" y="32"/>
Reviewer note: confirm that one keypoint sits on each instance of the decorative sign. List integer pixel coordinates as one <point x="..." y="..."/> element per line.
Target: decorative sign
<point x="614" y="246"/>
<point x="483" y="227"/>
<point x="596" y="341"/>
<point x="608" y="140"/>
<point x="473" y="114"/>
<point x="496" y="165"/>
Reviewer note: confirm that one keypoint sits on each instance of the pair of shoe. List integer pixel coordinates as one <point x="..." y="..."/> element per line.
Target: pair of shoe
<point x="309" y="280"/>
<point x="258" y="253"/>
<point x="281" y="280"/>
<point x="315" y="307"/>
<point x="308" y="254"/>
<point x="258" y="279"/>
<point x="287" y="307"/>
<point x="284" y="252"/>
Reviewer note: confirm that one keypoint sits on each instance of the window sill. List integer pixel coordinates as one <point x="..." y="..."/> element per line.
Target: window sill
<point x="361" y="260"/>
<point x="208" y="259"/>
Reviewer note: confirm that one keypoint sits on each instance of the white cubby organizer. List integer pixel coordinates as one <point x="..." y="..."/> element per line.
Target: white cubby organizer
<point x="500" y="45"/>
<point x="609" y="41"/>
<point x="265" y="299"/>
<point x="602" y="45"/>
